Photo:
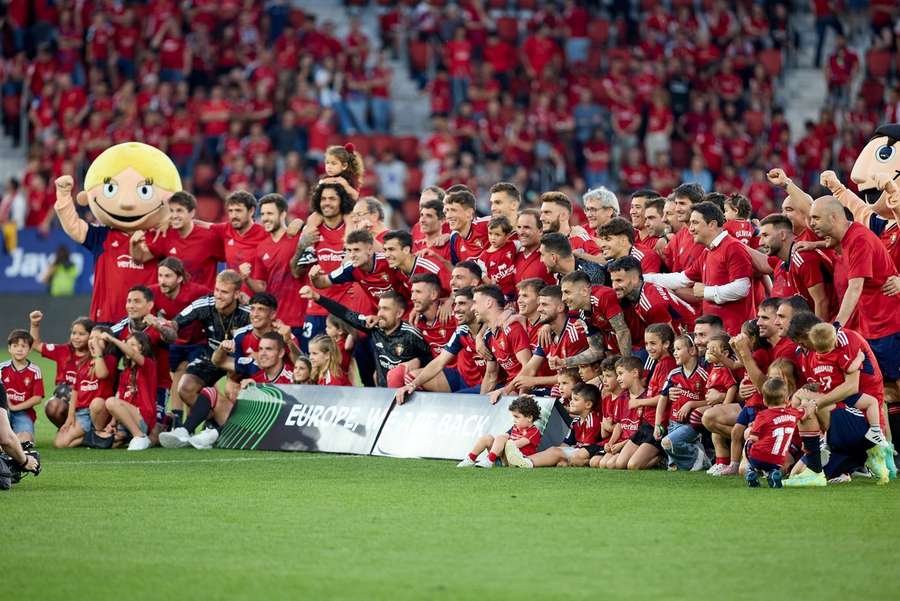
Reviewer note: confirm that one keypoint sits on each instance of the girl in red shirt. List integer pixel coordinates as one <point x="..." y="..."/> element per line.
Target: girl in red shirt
<point x="302" y="371"/>
<point x="134" y="405"/>
<point x="344" y="336"/>
<point x="325" y="359"/>
<point x="344" y="166"/>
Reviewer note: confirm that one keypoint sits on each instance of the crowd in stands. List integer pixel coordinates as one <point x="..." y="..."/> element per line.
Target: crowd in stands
<point x="683" y="323"/>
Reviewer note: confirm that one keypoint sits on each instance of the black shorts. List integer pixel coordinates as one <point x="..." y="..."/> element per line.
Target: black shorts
<point x="644" y="435"/>
<point x="594" y="450"/>
<point x="185" y="353"/>
<point x="202" y="368"/>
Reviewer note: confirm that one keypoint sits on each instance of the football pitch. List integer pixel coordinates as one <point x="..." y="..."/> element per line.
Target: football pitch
<point x="184" y="524"/>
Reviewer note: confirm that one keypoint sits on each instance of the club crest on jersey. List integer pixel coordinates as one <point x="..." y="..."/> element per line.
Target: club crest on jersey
<point x="398" y="349"/>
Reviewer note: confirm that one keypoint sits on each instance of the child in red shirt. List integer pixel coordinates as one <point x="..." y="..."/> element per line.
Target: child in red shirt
<point x="498" y="261"/>
<point x="737" y="220"/>
<point x="769" y="436"/>
<point x="344" y="336"/>
<point x="515" y="444"/>
<point x="134" y="406"/>
<point x="302" y="371"/>
<point x="344" y="166"/>
<point x="325" y="360"/>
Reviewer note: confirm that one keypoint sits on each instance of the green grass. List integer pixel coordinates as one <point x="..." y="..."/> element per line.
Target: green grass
<point x="243" y="525"/>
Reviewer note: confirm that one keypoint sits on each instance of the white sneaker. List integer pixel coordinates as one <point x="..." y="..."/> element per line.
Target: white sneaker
<point x="701" y="462"/>
<point x="728" y="470"/>
<point x="715" y="469"/>
<point x="176" y="439"/>
<point x="514" y="456"/>
<point x="485" y="463"/>
<point x="204" y="440"/>
<point x="842" y="479"/>
<point x="466" y="463"/>
<point x="139" y="443"/>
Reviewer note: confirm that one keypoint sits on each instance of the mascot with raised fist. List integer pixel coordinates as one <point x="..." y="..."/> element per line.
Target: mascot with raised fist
<point x="127" y="189"/>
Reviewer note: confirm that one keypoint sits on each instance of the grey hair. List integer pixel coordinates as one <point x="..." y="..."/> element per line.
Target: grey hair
<point x="606" y="197"/>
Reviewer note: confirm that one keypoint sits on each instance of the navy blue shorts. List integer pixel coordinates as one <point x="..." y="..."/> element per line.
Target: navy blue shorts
<point x="887" y="353"/>
<point x="183" y="353"/>
<point x="454" y="379"/>
<point x="847" y="431"/>
<point x="746" y="416"/>
<point x="313" y="325"/>
<point x="762" y="465"/>
<point x="470" y="390"/>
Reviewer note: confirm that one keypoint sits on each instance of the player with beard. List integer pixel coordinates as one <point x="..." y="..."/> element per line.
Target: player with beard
<point x="173" y="292"/>
<point x="263" y="311"/>
<point x="322" y="243"/>
<point x="405" y="265"/>
<point x="654" y="223"/>
<point x="601" y="311"/>
<point x="505" y="340"/>
<point x="556" y="216"/>
<point x="239" y="234"/>
<point x="558" y="257"/>
<point x="809" y="273"/>
<point x="425" y="293"/>
<point x="468" y="373"/>
<point x="391" y="340"/>
<point x="271" y="267"/>
<point x="528" y="258"/>
<point x="465" y="274"/>
<point x="200" y="249"/>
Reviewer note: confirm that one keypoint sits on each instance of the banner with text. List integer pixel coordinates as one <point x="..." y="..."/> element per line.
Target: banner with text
<point x="445" y="426"/>
<point x="327" y="419"/>
<point x="23" y="267"/>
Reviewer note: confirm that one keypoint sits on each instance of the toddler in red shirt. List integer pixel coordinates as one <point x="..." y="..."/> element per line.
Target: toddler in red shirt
<point x="515" y="444"/>
<point x="498" y="261"/>
<point x="769" y="436"/>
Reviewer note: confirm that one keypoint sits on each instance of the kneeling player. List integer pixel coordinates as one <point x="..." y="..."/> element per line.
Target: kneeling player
<point x="582" y="443"/>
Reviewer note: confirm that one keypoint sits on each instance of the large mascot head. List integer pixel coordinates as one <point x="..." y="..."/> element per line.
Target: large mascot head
<point x="128" y="186"/>
<point x="880" y="155"/>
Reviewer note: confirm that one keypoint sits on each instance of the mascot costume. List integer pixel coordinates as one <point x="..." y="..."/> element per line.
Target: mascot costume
<point x="127" y="189"/>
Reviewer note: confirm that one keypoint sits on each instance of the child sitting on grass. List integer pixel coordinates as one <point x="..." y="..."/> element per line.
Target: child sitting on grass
<point x="584" y="434"/>
<point x="769" y="436"/>
<point x="519" y="441"/>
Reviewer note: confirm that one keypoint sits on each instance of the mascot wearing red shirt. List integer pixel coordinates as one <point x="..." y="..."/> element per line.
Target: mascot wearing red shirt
<point x="127" y="189"/>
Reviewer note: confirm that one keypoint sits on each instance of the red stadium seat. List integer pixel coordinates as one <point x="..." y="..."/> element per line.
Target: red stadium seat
<point x="878" y="63"/>
<point x="408" y="149"/>
<point x="497" y="4"/>
<point x="411" y="209"/>
<point x="209" y="208"/>
<point x="527" y="4"/>
<point x="204" y="176"/>
<point x="508" y="29"/>
<point x="598" y="32"/>
<point x="419" y="55"/>
<point x="872" y="91"/>
<point x="414" y="181"/>
<point x="363" y="144"/>
<point x="771" y="60"/>
<point x="680" y="153"/>
<point x="382" y="143"/>
<point x="755" y="122"/>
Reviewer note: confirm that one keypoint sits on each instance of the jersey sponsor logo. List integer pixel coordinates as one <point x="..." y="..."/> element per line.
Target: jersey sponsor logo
<point x="326" y="254"/>
<point x="126" y="262"/>
<point x="88" y="385"/>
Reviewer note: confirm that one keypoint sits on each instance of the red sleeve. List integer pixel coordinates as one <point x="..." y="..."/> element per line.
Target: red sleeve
<point x="609" y="304"/>
<point x="56" y="352"/>
<point x="651" y="263"/>
<point x="215" y="246"/>
<point x="37" y="387"/>
<point x="693" y="272"/>
<point x="518" y="338"/>
<point x="156" y="244"/>
<point x="848" y="354"/>
<point x="739" y="265"/>
<point x="859" y="258"/>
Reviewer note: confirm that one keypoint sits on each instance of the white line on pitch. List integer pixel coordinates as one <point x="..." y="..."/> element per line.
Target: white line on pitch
<point x="154" y="461"/>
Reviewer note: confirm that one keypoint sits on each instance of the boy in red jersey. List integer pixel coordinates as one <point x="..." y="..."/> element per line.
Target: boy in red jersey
<point x="611" y="431"/>
<point x="518" y="442"/>
<point x="200" y="249"/>
<point x="24" y="385"/>
<point x="629" y="374"/>
<point x="769" y="436"/>
<point x="498" y="261"/>
<point x="582" y="442"/>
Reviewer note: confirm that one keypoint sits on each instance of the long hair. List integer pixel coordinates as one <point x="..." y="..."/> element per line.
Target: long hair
<point x="316" y="200"/>
<point x="348" y="155"/>
<point x="333" y="364"/>
<point x="63" y="257"/>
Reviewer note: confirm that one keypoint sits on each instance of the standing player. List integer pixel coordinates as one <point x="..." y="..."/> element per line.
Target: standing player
<point x="434" y="233"/>
<point x="271" y="271"/>
<point x="430" y="194"/>
<point x="425" y="291"/>
<point x="199" y="249"/>
<point x="323" y="245"/>
<point x="528" y="258"/>
<point x="617" y="240"/>
<point x="556" y="216"/>
<point x="469" y="235"/>
<point x="239" y="235"/>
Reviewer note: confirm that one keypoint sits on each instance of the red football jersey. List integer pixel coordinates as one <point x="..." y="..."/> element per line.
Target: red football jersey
<point x="864" y="256"/>
<point x="682" y="251"/>
<point x="283" y="377"/>
<point x="657" y="373"/>
<point x="89" y="387"/>
<point x="462" y="249"/>
<point x="628" y="418"/>
<point x="585" y="431"/>
<point x="468" y="362"/>
<point x="272" y="265"/>
<point x="137" y="386"/>
<point x="330" y="254"/>
<point x="329" y="379"/>
<point x="657" y="305"/>
<point x="499" y="265"/>
<point x="720" y="378"/>
<point x="168" y="308"/>
<point x="529" y="265"/>
<point x="160" y="349"/>
<point x="743" y="231"/>
<point x="571" y="341"/>
<point x="200" y="251"/>
<point x="692" y="385"/>
<point x="374" y="282"/>
<point x="115" y="272"/>
<point x="67" y="362"/>
<point x="419" y="237"/>
<point x="605" y="306"/>
<point x="830" y="369"/>
<point x="811" y="268"/>
<point x="650" y="261"/>
<point x="22" y="384"/>
<point x="774" y="428"/>
<point x="402" y="283"/>
<point x="504" y="344"/>
<point x="435" y="333"/>
<point x="532" y="434"/>
<point x="239" y="248"/>
<point x="725" y="263"/>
